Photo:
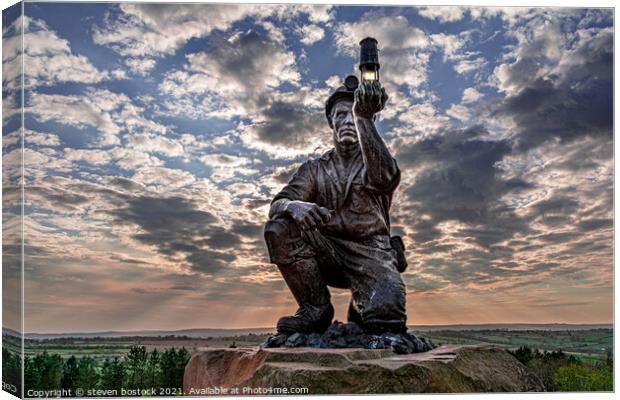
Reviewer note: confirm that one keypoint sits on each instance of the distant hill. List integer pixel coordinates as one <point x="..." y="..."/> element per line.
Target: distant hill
<point x="191" y="333"/>
<point x="10" y="332"/>
<point x="203" y="333"/>
<point x="511" y="327"/>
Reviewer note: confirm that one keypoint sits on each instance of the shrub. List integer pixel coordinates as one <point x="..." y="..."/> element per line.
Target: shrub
<point x="581" y="378"/>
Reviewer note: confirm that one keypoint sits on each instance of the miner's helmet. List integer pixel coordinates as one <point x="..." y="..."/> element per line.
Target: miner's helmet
<point x="343" y="92"/>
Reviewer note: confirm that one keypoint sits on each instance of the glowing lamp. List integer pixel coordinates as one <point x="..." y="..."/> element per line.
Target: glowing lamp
<point x="369" y="60"/>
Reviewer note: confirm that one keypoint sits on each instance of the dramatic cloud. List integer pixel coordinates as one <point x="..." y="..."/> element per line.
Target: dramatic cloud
<point x="109" y="113"/>
<point x="233" y="79"/>
<point x="179" y="229"/>
<point x="140" y="66"/>
<point x="76" y="111"/>
<point x="394" y="32"/>
<point x="471" y="95"/>
<point x="311" y="34"/>
<point x="288" y="128"/>
<point x="148" y="31"/>
<point x="152" y="30"/>
<point x="453" y="47"/>
<point x="459" y="180"/>
<point x="442" y="14"/>
<point x="459" y="112"/>
<point x="48" y="59"/>
<point x="240" y="78"/>
<point x="570" y="97"/>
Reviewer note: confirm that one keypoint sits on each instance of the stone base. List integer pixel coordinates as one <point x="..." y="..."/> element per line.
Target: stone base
<point x="350" y="335"/>
<point x="447" y="369"/>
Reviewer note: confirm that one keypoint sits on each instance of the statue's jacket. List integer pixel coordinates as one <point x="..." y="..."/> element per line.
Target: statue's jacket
<point x="361" y="210"/>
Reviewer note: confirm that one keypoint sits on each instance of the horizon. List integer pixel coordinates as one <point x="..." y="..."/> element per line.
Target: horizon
<point x="157" y="135"/>
<point x="273" y="328"/>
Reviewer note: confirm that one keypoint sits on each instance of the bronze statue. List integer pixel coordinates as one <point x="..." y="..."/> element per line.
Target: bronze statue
<point x="330" y="225"/>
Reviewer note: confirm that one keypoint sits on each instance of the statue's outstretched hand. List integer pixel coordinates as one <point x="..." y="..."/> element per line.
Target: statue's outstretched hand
<point x="369" y="99"/>
<point x="308" y="216"/>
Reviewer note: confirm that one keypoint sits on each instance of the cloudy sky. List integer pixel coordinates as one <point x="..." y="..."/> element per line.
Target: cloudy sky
<point x="156" y="136"/>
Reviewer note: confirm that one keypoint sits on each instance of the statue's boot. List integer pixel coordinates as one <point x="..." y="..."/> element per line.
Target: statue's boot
<point x="315" y="311"/>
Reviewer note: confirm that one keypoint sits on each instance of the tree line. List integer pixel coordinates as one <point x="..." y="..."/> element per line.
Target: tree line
<point x="560" y="372"/>
<point x="139" y="369"/>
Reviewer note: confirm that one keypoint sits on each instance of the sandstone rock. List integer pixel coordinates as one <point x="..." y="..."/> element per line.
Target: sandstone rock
<point x="447" y="369"/>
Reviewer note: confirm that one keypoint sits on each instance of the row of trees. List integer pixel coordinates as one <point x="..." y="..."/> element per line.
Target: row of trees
<point x="11" y="371"/>
<point x="560" y="372"/>
<point x="139" y="369"/>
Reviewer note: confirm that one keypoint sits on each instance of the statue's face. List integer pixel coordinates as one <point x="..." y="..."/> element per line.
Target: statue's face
<point x="343" y="123"/>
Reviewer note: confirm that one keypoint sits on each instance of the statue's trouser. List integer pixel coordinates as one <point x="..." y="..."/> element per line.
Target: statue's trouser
<point x="309" y="261"/>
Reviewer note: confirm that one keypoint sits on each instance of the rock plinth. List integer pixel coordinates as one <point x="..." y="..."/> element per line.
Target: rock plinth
<point x="446" y="369"/>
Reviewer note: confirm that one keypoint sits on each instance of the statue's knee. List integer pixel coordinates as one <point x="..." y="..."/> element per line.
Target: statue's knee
<point x="277" y="230"/>
<point x="280" y="237"/>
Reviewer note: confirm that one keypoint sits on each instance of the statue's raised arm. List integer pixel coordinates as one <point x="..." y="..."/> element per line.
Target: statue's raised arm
<point x="382" y="173"/>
